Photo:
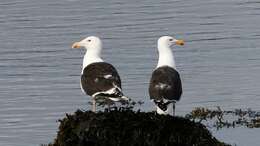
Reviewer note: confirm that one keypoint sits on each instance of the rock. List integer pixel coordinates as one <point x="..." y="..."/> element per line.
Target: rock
<point x="124" y="127"/>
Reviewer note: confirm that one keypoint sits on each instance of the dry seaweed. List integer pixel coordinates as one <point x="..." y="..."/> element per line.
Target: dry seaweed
<point x="225" y="118"/>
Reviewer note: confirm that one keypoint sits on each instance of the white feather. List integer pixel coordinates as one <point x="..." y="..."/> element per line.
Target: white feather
<point x="110" y="91"/>
<point x="82" y="88"/>
<point x="169" y="110"/>
<point x="162" y="86"/>
<point x="107" y="76"/>
<point x="114" y="99"/>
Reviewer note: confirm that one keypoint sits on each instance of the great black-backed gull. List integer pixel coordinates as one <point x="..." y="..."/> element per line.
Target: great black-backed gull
<point x="165" y="84"/>
<point x="98" y="78"/>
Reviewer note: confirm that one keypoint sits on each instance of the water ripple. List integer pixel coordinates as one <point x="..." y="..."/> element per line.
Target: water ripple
<point x="40" y="73"/>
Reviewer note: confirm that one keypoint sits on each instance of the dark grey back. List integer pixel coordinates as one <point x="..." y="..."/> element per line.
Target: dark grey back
<point x="172" y="88"/>
<point x="93" y="80"/>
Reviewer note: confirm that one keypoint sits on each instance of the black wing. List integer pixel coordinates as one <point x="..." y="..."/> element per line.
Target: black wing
<point x="165" y="83"/>
<point x="98" y="77"/>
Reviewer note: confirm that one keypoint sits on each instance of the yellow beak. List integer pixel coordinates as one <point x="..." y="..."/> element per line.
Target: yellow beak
<point x="179" y="42"/>
<point x="76" y="45"/>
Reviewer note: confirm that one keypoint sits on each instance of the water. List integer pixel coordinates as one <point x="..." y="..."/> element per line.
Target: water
<point x="39" y="78"/>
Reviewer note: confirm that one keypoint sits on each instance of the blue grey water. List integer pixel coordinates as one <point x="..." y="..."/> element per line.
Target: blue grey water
<point x="39" y="72"/>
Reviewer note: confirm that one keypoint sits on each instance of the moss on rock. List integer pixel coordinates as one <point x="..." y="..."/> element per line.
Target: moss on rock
<point x="129" y="128"/>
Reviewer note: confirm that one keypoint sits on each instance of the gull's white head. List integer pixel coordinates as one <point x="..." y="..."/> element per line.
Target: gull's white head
<point x="168" y="41"/>
<point x="93" y="46"/>
<point x="165" y="52"/>
<point x="91" y="43"/>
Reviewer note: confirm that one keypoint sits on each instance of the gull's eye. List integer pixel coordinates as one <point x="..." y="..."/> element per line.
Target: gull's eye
<point x="89" y="40"/>
<point x="170" y="40"/>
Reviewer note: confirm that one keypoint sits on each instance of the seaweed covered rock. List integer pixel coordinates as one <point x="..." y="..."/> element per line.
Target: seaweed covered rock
<point x="130" y="128"/>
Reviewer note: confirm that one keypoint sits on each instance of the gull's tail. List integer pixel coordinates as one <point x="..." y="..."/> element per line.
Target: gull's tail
<point x="165" y="108"/>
